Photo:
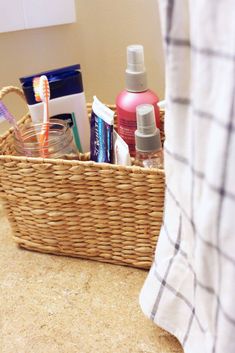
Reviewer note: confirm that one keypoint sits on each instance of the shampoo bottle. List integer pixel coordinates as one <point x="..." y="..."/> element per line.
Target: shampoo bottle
<point x="136" y="93"/>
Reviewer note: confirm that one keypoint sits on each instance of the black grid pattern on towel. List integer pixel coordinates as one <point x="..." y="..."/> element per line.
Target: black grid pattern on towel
<point x="174" y="43"/>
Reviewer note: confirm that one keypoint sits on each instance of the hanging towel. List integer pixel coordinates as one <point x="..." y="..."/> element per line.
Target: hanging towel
<point x="190" y="289"/>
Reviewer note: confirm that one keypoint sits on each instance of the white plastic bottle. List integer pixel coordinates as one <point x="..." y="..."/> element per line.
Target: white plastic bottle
<point x="67" y="102"/>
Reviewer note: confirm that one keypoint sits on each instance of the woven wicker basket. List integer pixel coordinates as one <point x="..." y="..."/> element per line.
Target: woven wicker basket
<point x="80" y="208"/>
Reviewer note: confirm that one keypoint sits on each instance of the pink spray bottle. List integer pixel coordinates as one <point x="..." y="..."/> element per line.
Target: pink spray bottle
<point x="136" y="93"/>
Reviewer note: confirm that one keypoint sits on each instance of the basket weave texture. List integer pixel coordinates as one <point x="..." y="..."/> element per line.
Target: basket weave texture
<point x="80" y="208"/>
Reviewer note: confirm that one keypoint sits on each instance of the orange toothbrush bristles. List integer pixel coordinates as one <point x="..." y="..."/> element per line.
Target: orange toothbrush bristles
<point x="36" y="83"/>
<point x="44" y="89"/>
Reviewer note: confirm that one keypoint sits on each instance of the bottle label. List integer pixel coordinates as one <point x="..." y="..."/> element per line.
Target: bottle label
<point x="127" y="129"/>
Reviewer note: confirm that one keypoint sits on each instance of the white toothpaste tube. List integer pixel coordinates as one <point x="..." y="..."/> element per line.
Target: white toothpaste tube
<point x="121" y="154"/>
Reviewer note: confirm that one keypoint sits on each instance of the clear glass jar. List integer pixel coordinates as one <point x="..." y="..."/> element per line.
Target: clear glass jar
<point x="60" y="141"/>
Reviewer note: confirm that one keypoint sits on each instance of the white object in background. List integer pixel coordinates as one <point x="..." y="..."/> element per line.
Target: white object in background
<point x="11" y="15"/>
<point x="25" y="14"/>
<point x="42" y="13"/>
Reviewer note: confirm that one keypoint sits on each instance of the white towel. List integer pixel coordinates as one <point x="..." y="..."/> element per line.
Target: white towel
<point x="190" y="289"/>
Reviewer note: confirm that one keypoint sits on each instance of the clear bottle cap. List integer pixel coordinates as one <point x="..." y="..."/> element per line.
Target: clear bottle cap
<point x="136" y="77"/>
<point x="135" y="58"/>
<point x="147" y="135"/>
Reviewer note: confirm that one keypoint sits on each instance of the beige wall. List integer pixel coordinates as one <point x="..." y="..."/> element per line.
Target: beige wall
<point x="97" y="41"/>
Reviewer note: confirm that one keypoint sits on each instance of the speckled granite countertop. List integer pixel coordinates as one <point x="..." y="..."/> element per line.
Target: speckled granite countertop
<point x="51" y="304"/>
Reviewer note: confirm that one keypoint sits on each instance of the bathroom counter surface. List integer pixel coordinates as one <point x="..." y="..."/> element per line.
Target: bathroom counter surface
<point x="65" y="305"/>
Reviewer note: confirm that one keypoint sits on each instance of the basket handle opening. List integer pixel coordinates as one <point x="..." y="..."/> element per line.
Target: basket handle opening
<point x="17" y="110"/>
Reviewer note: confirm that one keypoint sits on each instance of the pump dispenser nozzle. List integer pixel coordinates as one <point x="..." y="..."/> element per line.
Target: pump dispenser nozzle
<point x="135" y="58"/>
<point x="148" y="145"/>
<point x="136" y="78"/>
<point x="147" y="135"/>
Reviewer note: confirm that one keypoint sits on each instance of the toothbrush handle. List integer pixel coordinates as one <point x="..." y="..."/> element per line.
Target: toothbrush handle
<point x="45" y="112"/>
<point x="45" y="130"/>
<point x="44" y="140"/>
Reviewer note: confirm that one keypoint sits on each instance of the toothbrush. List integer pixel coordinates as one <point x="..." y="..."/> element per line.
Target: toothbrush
<point x="42" y="94"/>
<point x="6" y="115"/>
<point x="36" y="82"/>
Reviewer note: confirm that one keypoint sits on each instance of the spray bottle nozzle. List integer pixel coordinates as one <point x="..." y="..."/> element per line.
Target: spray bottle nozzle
<point x="147" y="135"/>
<point x="136" y="78"/>
<point x="135" y="58"/>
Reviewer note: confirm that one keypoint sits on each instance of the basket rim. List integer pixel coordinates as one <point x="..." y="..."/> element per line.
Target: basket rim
<point x="74" y="162"/>
<point x="95" y="165"/>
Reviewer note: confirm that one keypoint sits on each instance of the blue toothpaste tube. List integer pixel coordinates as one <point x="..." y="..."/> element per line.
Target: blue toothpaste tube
<point x="101" y="145"/>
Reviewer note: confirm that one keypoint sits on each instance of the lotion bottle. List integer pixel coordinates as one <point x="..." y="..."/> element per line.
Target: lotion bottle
<point x="136" y="93"/>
